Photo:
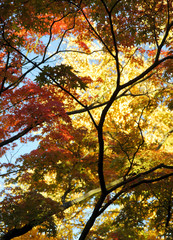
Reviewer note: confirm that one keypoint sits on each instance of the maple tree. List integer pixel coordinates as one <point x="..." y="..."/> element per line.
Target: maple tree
<point x="91" y="81"/>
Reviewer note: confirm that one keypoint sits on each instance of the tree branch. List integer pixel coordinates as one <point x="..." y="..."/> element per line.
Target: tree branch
<point x="111" y="187"/>
<point x="17" y="136"/>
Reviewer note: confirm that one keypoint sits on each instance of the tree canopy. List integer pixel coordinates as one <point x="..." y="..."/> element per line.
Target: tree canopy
<point x="92" y="83"/>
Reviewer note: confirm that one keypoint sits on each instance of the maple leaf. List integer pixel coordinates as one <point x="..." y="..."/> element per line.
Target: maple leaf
<point x="62" y="74"/>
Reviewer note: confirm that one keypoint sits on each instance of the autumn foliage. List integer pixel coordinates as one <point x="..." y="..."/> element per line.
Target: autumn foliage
<point x="91" y="82"/>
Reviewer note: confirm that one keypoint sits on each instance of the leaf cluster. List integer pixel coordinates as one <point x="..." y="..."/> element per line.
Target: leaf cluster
<point x="61" y="74"/>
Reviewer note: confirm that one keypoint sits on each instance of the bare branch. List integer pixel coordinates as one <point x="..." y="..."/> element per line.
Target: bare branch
<point x="114" y="42"/>
<point x="50" y="35"/>
<point x="114" y="5"/>
<point x="169" y="26"/>
<point x="17" y="136"/>
<point x="4" y="79"/>
<point x="131" y="179"/>
<point x="126" y="189"/>
<point x="144" y="73"/>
